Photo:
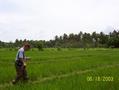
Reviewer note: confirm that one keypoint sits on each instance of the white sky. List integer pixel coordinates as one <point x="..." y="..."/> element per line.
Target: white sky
<point x="43" y="19"/>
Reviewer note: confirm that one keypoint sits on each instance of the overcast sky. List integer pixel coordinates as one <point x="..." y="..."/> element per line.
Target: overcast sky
<point x="43" y="19"/>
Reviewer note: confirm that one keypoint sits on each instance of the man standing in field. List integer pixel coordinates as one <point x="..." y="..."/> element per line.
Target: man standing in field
<point x="20" y="64"/>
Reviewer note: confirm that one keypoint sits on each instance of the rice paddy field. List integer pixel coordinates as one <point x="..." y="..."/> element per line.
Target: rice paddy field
<point x="65" y="69"/>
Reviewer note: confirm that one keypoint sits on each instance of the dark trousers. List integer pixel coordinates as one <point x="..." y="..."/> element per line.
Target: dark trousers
<point x="20" y="71"/>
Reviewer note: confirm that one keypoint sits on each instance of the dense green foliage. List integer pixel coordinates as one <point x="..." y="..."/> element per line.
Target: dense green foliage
<point x="81" y="40"/>
<point x="65" y="69"/>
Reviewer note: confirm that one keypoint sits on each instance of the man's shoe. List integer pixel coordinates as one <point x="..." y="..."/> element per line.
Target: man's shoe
<point x="13" y="81"/>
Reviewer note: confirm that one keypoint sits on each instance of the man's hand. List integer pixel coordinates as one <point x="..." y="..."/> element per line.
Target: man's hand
<point x="24" y="64"/>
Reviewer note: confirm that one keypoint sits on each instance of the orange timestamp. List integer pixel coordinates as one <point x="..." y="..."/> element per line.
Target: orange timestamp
<point x="100" y="78"/>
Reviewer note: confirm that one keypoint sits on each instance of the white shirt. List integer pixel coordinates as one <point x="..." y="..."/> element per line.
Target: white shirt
<point x="20" y="53"/>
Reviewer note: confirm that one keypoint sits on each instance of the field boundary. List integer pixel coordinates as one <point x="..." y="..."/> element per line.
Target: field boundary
<point x="44" y="60"/>
<point x="39" y="80"/>
<point x="71" y="74"/>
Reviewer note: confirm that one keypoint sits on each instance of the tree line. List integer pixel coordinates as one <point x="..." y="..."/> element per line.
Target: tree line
<point x="80" y="40"/>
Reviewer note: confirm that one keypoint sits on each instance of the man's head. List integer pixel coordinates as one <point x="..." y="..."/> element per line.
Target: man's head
<point x="26" y="47"/>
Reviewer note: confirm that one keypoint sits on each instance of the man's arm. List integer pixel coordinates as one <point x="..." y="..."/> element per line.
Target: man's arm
<point x="22" y="58"/>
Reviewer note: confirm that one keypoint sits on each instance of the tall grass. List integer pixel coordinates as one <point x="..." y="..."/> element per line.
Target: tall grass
<point x="60" y="70"/>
